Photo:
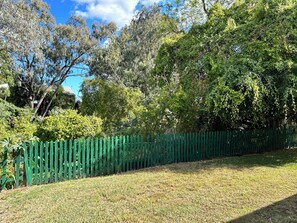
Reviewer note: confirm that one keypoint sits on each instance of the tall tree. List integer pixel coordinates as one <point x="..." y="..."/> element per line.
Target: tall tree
<point x="129" y="56"/>
<point x="242" y="64"/>
<point x="45" y="54"/>
<point x="26" y="29"/>
<point x="6" y="74"/>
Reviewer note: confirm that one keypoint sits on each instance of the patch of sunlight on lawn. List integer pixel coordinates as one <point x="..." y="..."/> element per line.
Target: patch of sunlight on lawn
<point x="253" y="188"/>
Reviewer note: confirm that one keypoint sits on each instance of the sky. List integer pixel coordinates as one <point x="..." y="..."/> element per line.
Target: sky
<point x="118" y="11"/>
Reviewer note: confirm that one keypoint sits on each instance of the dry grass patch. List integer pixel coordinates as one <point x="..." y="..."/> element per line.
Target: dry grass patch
<point x="255" y="188"/>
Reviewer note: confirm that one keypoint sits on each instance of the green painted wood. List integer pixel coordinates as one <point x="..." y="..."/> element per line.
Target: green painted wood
<point x="128" y="153"/>
<point x="4" y="168"/>
<point x="133" y="152"/>
<point x="171" y="143"/>
<point x="192" y="140"/>
<point x="30" y="162"/>
<point x="151" y="149"/>
<point x="17" y="167"/>
<point x="65" y="159"/>
<point x="56" y="155"/>
<point x="61" y="160"/>
<point x="45" y="161"/>
<point x="210" y="144"/>
<point x="120" y="154"/>
<point x="143" y="162"/>
<point x="192" y="147"/>
<point x="196" y="146"/>
<point x="137" y="151"/>
<point x="101" y="172"/>
<point x="70" y="148"/>
<point x="141" y="152"/>
<point x="41" y="163"/>
<point x="108" y="155"/>
<point x="83" y="159"/>
<point x="51" y="161"/>
<point x="115" y="151"/>
<point x="92" y="162"/>
<point x="104" y="169"/>
<point x="88" y="160"/>
<point x="36" y="163"/>
<point x="114" y="155"/>
<point x="97" y="157"/>
<point x="181" y="141"/>
<point x="144" y="148"/>
<point x="155" y="147"/>
<point x="26" y="162"/>
<point x="185" y="148"/>
<point x="178" y="148"/>
<point x="167" y="146"/>
<point x="124" y="159"/>
<point x="148" y="148"/>
<point x="203" y="146"/>
<point x="200" y="144"/>
<point x="111" y="155"/>
<point x="132" y="140"/>
<point x="74" y="155"/>
<point x="218" y="143"/>
<point x="79" y="152"/>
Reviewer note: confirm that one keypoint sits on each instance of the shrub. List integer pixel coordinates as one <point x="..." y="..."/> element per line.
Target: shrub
<point x="69" y="125"/>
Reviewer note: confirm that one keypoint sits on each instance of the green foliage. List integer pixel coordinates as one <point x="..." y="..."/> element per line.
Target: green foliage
<point x="240" y="64"/>
<point x="15" y="123"/>
<point x="6" y="74"/>
<point x="69" y="125"/>
<point x="117" y="106"/>
<point x="169" y="110"/>
<point x="129" y="55"/>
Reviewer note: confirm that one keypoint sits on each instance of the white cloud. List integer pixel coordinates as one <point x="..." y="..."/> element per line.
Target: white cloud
<point x="118" y="11"/>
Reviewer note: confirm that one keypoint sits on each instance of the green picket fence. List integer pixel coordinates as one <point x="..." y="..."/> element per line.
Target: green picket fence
<point x="40" y="163"/>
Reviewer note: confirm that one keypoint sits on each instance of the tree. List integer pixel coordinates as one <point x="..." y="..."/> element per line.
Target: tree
<point x="187" y="13"/>
<point x="6" y="74"/>
<point x="241" y="63"/>
<point x="26" y="30"/>
<point x="129" y="56"/>
<point x="45" y="54"/>
<point x="117" y="106"/>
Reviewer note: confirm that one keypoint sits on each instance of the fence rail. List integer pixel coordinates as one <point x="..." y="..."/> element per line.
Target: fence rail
<point x="39" y="163"/>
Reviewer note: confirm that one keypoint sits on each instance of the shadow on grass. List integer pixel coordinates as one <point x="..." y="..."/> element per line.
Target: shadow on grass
<point x="282" y="211"/>
<point x="270" y="159"/>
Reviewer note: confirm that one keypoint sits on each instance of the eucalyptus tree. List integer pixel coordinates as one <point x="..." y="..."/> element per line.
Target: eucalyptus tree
<point x="6" y="74"/>
<point x="128" y="56"/>
<point x="26" y="28"/>
<point x="44" y="54"/>
<point x="187" y="13"/>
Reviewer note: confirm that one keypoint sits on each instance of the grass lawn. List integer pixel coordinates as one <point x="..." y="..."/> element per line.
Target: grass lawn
<point x="254" y="188"/>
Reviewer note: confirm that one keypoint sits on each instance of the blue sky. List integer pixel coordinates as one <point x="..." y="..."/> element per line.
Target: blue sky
<point x="119" y="11"/>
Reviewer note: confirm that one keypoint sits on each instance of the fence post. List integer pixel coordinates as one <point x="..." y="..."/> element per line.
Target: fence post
<point x="4" y="166"/>
<point x="27" y="173"/>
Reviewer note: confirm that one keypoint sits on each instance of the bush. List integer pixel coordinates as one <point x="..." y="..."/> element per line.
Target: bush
<point x="15" y="123"/>
<point x="69" y="125"/>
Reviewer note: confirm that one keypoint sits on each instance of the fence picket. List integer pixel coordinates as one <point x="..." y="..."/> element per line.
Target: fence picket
<point x="60" y="160"/>
<point x="65" y="158"/>
<point x="97" y="157"/>
<point x="56" y="162"/>
<point x="79" y="159"/>
<point x="45" y="162"/>
<point x="92" y="157"/>
<point x="74" y="159"/>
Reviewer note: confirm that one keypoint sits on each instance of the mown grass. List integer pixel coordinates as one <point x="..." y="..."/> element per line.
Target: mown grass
<point x="254" y="188"/>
